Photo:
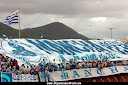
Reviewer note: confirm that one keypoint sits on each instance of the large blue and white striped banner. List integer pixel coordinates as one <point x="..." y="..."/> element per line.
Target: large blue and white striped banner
<point x="33" y="51"/>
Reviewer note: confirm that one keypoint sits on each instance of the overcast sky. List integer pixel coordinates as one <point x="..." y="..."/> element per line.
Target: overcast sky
<point x="91" y="18"/>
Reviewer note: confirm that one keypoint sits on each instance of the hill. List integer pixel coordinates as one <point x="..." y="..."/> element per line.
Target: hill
<point x="8" y="31"/>
<point x="54" y="30"/>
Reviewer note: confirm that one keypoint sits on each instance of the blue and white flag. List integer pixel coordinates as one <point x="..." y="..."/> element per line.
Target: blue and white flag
<point x="4" y="35"/>
<point x="12" y="19"/>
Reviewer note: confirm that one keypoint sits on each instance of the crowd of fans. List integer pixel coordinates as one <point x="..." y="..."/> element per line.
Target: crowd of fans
<point x="8" y="64"/>
<point x="72" y="64"/>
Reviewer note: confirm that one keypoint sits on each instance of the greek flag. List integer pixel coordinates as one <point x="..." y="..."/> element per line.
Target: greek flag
<point x="12" y="19"/>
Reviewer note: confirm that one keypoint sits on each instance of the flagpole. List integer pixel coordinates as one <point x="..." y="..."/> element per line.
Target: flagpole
<point x="19" y="23"/>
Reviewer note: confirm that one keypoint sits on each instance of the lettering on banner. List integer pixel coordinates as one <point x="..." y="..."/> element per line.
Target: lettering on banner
<point x="100" y="72"/>
<point x="125" y="68"/>
<point x="88" y="73"/>
<point x="75" y="74"/>
<point x="113" y="69"/>
<point x="64" y="75"/>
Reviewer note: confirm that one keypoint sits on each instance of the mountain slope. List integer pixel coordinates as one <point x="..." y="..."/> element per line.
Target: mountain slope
<point x="53" y="30"/>
<point x="8" y="31"/>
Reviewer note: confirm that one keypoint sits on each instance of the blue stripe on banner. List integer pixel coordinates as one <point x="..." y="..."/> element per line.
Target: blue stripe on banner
<point x="14" y="22"/>
<point x="14" y="19"/>
<point x="15" y="16"/>
<point x="11" y="17"/>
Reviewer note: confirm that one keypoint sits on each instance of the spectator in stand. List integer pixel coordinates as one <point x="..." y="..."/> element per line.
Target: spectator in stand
<point x="53" y="62"/>
<point x="87" y="64"/>
<point x="14" y="70"/>
<point x="0" y="56"/>
<point x="83" y="63"/>
<point x="90" y="64"/>
<point x="77" y="65"/>
<point x="70" y="60"/>
<point x="8" y="69"/>
<point x="54" y="65"/>
<point x="32" y="71"/>
<point x="4" y="54"/>
<point x="17" y="67"/>
<point x="100" y="65"/>
<point x="120" y="62"/>
<point x="51" y="68"/>
<point x="111" y="63"/>
<point x="124" y="62"/>
<point x="104" y="63"/>
<point x="94" y="64"/>
<point x="96" y="60"/>
<point x="73" y="64"/>
<point x="59" y="67"/>
<point x="70" y="63"/>
<point x="37" y="69"/>
<point x="67" y="66"/>
<point x="43" y="62"/>
<point x="80" y="65"/>
<point x="108" y="61"/>
<point x="115" y="63"/>
<point x="26" y="70"/>
<point x="22" y="69"/>
<point x="63" y="65"/>
<point x="15" y="62"/>
<point x="41" y="69"/>
<point x="19" y="72"/>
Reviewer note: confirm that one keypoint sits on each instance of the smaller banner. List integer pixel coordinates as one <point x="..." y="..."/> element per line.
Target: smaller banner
<point x="25" y="78"/>
<point x="9" y="77"/>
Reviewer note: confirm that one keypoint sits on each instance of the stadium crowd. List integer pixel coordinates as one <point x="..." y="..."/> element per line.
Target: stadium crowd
<point x="8" y="64"/>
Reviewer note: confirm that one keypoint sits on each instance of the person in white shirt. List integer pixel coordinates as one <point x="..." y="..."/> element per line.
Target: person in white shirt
<point x="124" y="62"/>
<point x="104" y="63"/>
<point x="80" y="65"/>
<point x="21" y="68"/>
<point x="43" y="62"/>
<point x="53" y="62"/>
<point x="54" y="65"/>
<point x="27" y="70"/>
